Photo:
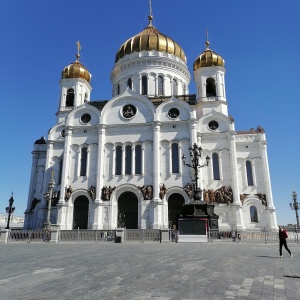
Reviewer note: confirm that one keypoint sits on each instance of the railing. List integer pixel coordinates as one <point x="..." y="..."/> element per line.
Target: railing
<point x="251" y="236"/>
<point x="86" y="235"/>
<point x="142" y="235"/>
<point x="29" y="236"/>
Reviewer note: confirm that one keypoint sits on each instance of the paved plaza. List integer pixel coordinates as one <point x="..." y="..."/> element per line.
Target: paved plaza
<point x="132" y="270"/>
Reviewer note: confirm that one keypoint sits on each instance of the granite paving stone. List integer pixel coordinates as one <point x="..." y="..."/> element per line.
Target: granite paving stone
<point x="143" y="271"/>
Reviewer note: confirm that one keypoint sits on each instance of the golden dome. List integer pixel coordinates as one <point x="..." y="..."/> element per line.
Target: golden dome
<point x="76" y="70"/>
<point x="208" y="58"/>
<point x="150" y="39"/>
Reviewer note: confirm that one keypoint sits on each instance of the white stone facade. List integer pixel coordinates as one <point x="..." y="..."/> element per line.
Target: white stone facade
<point x="121" y="156"/>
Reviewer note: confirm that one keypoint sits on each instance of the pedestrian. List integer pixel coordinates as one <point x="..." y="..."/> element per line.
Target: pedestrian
<point x="233" y="235"/>
<point x="282" y="242"/>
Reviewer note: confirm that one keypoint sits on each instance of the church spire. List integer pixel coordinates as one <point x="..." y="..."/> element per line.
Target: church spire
<point x="150" y="18"/>
<point x="78" y="50"/>
<point x="207" y="42"/>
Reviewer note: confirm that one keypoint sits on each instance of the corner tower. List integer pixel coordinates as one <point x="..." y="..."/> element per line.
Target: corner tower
<point x="209" y="75"/>
<point x="75" y="86"/>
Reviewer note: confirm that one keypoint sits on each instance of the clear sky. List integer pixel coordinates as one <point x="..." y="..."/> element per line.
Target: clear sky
<point x="259" y="41"/>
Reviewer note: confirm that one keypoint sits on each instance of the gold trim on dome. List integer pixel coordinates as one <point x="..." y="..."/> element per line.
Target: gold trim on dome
<point x="76" y="69"/>
<point x="148" y="40"/>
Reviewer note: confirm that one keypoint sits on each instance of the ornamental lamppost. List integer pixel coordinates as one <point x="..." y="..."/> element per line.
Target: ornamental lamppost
<point x="10" y="209"/>
<point x="295" y="206"/>
<point x="195" y="154"/>
<point x="49" y="196"/>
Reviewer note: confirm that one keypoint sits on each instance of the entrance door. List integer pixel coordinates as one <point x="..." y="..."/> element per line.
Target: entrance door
<point x="175" y="203"/>
<point x="128" y="211"/>
<point x="81" y="212"/>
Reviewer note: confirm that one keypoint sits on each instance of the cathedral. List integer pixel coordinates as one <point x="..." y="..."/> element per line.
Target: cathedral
<point x="123" y="163"/>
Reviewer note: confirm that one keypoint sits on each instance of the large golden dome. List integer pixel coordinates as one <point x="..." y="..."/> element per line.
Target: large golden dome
<point x="150" y="39"/>
<point x="208" y="58"/>
<point x="76" y="70"/>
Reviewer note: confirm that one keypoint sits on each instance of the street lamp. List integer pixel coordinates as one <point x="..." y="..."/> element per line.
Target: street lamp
<point x="295" y="206"/>
<point x="195" y="154"/>
<point x="49" y="196"/>
<point x="10" y="209"/>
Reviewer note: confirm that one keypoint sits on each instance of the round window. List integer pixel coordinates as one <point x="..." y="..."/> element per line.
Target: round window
<point x="129" y="111"/>
<point x="173" y="113"/>
<point x="213" y="125"/>
<point x="85" y="118"/>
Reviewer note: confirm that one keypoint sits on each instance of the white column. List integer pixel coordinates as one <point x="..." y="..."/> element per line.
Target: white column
<point x="98" y="204"/>
<point x="235" y="184"/>
<point x="170" y="158"/>
<point x="114" y="161"/>
<point x="133" y="160"/>
<point x="156" y="175"/>
<point x="271" y="215"/>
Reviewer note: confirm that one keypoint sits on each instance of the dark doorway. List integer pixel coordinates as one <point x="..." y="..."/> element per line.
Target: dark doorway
<point x="81" y="212"/>
<point x="175" y="203"/>
<point x="128" y="211"/>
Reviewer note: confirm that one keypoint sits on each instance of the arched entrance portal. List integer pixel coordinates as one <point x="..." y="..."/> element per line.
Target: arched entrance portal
<point x="128" y="211"/>
<point x="81" y="212"/>
<point x="175" y="203"/>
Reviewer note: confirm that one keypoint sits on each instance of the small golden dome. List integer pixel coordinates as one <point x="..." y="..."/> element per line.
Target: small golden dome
<point x="76" y="70"/>
<point x="150" y="39"/>
<point x="208" y="58"/>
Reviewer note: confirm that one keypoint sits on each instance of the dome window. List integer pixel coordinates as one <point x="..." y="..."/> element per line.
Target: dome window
<point x="160" y="86"/>
<point x="129" y="83"/>
<point x="70" y="98"/>
<point x="118" y="89"/>
<point x="210" y="87"/>
<point x="144" y="85"/>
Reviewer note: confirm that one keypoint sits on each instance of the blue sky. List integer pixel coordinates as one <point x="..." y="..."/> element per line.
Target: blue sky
<point x="259" y="41"/>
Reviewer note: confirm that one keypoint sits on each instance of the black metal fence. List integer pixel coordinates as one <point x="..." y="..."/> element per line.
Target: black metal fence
<point x="85" y="235"/>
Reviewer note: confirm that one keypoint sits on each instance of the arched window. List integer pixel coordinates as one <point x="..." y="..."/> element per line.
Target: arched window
<point x="85" y="97"/>
<point x="160" y="83"/>
<point x="70" y="97"/>
<point x="138" y="159"/>
<point x="210" y="87"/>
<point x="249" y="173"/>
<point x="118" y="89"/>
<point x="60" y="170"/>
<point x="175" y="87"/>
<point x="118" y="160"/>
<point x="216" y="168"/>
<point x="253" y="214"/>
<point x="128" y="159"/>
<point x="129" y="83"/>
<point x="175" y="158"/>
<point x="144" y="85"/>
<point x="83" y="162"/>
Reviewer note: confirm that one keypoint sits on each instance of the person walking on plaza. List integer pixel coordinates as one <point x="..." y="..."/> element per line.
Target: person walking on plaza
<point x="282" y="242"/>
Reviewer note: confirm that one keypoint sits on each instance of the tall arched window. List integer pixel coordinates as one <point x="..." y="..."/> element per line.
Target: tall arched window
<point x="70" y="97"/>
<point x="160" y="85"/>
<point x="129" y="83"/>
<point x="210" y="87"/>
<point x="128" y="159"/>
<point x="118" y="160"/>
<point x="249" y="173"/>
<point x="253" y="214"/>
<point x="60" y="170"/>
<point x="83" y="162"/>
<point x="216" y="168"/>
<point x="175" y="87"/>
<point x="138" y="159"/>
<point x="144" y="85"/>
<point x="175" y="158"/>
<point x="118" y="89"/>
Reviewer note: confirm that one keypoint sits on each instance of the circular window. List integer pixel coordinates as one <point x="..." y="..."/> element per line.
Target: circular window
<point x="129" y="111"/>
<point x="173" y="113"/>
<point x="213" y="125"/>
<point x="85" y="118"/>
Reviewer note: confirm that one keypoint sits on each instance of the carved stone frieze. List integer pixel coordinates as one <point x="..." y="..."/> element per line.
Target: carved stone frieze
<point x="106" y="192"/>
<point x="92" y="192"/>
<point x="147" y="191"/>
<point x="222" y="195"/>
